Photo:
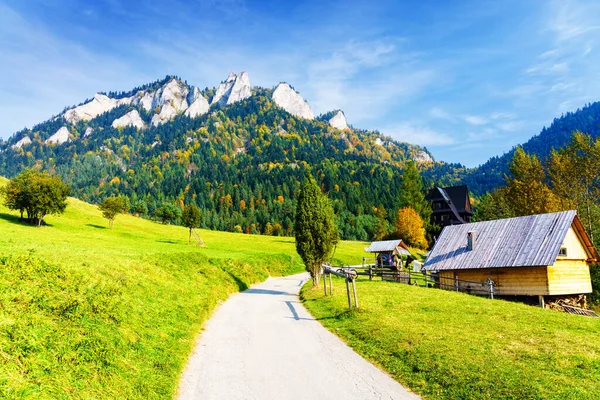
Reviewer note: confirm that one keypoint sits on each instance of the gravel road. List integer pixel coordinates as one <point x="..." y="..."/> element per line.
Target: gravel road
<point x="262" y="344"/>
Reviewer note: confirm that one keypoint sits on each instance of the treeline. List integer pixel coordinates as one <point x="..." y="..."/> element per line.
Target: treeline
<point x="241" y="165"/>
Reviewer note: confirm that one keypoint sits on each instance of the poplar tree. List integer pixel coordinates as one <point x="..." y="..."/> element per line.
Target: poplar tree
<point x="411" y="192"/>
<point x="314" y="227"/>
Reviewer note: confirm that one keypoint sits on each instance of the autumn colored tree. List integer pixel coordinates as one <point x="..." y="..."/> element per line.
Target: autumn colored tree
<point x="410" y="228"/>
<point x="575" y="177"/>
<point x="315" y="229"/>
<point x="527" y="192"/>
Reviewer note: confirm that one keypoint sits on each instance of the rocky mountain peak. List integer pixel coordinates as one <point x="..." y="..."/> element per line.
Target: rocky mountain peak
<point x="61" y="136"/>
<point x="132" y="118"/>
<point x="234" y="89"/>
<point x="338" y="121"/>
<point x="291" y="101"/>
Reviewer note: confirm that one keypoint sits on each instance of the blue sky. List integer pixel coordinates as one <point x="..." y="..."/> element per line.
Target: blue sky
<point x="467" y="79"/>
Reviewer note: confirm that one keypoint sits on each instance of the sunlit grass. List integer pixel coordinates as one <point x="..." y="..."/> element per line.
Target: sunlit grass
<point x="87" y="312"/>
<point x="448" y="345"/>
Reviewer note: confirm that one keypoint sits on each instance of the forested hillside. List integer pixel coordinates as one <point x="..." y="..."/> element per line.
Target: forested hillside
<point x="491" y="174"/>
<point x="241" y="163"/>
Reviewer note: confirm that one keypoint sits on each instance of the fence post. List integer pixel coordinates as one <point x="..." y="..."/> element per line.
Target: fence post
<point x="348" y="293"/>
<point x="456" y="282"/>
<point x="325" y="283"/>
<point x="355" y="296"/>
<point x="330" y="286"/>
<point x="491" y="284"/>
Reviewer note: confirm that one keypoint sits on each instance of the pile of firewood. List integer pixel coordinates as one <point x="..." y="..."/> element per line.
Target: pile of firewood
<point x="579" y="301"/>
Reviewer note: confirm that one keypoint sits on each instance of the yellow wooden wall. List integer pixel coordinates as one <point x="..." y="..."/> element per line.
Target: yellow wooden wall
<point x="528" y="281"/>
<point x="569" y="277"/>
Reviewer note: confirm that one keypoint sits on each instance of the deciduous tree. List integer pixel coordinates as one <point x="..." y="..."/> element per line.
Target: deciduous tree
<point x="111" y="207"/>
<point x="410" y="228"/>
<point x="191" y="218"/>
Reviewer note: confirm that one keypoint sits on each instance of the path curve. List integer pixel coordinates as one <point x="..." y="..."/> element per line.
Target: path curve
<point x="263" y="344"/>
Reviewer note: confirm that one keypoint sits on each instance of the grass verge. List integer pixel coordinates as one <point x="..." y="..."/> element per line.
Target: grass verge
<point x="447" y="345"/>
<point x="92" y="313"/>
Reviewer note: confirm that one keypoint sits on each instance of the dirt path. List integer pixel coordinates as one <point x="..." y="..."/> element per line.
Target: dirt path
<point x="263" y="344"/>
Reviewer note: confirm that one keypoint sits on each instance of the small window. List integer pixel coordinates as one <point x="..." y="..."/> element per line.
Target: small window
<point x="562" y="252"/>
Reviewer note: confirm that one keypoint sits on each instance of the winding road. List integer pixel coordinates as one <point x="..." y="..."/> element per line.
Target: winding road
<point x="262" y="344"/>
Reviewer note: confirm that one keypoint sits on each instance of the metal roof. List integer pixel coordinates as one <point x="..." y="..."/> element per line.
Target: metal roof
<point x="387" y="245"/>
<point x="533" y="240"/>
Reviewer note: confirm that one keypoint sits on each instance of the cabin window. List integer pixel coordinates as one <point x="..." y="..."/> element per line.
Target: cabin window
<point x="562" y="252"/>
<point x="445" y="217"/>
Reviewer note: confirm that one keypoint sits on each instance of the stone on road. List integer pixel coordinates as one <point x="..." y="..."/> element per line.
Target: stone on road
<point x="262" y="344"/>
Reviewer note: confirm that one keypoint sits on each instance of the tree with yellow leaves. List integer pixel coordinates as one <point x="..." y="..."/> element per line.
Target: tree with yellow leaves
<point x="410" y="227"/>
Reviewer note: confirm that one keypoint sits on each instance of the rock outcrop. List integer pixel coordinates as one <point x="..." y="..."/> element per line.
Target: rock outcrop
<point x="132" y="118"/>
<point x="240" y="89"/>
<point x="90" y="110"/>
<point x="61" y="136"/>
<point x="22" y="142"/>
<point x="423" y="157"/>
<point x="288" y="99"/>
<point x="234" y="89"/>
<point x="338" y="121"/>
<point x="175" y="92"/>
<point x="88" y="132"/>
<point x="199" y="107"/>
<point x="167" y="112"/>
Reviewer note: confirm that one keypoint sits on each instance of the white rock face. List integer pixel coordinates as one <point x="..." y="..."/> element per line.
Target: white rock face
<point x="198" y="107"/>
<point x="288" y="99"/>
<point x="174" y="92"/>
<point x="99" y="104"/>
<point x="61" y="136"/>
<point x="234" y="89"/>
<point x="167" y="112"/>
<point x="240" y="89"/>
<point x="423" y="157"/>
<point x="338" y="121"/>
<point x="132" y="118"/>
<point x="88" y="132"/>
<point x="22" y="142"/>
<point x="379" y="142"/>
<point x="144" y="99"/>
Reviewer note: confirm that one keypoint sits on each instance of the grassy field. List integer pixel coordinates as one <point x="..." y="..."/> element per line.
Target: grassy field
<point x="447" y="345"/>
<point x="90" y="313"/>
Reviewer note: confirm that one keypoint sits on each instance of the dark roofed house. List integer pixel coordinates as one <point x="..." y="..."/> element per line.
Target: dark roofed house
<point x="450" y="205"/>
<point x="537" y="255"/>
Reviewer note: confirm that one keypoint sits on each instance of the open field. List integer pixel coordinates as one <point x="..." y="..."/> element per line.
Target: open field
<point x="86" y="312"/>
<point x="447" y="345"/>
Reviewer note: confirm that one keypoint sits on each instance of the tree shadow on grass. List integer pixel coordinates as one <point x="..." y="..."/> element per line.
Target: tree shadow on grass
<point x="240" y="283"/>
<point x="96" y="226"/>
<point x="14" y="219"/>
<point x="170" y="241"/>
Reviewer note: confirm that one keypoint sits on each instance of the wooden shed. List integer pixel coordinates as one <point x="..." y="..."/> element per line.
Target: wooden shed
<point x="537" y="255"/>
<point x="391" y="249"/>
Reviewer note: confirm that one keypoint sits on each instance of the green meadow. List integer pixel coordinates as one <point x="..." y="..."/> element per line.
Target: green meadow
<point x="448" y="345"/>
<point x="92" y="313"/>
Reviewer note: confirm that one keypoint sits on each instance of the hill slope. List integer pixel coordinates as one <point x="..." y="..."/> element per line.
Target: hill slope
<point x="238" y="152"/>
<point x="87" y="312"/>
<point x="490" y="175"/>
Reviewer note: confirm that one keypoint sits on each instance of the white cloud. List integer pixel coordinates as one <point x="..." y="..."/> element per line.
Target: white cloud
<point x="418" y="134"/>
<point x="475" y="120"/>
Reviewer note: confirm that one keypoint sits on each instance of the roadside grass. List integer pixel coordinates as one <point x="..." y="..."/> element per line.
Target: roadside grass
<point x="447" y="345"/>
<point x="92" y="313"/>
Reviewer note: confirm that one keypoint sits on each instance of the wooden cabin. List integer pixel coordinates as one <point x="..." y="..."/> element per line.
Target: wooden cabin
<point x="537" y="255"/>
<point x="450" y="205"/>
<point x="387" y="250"/>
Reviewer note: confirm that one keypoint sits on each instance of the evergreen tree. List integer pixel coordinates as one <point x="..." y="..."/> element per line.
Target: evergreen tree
<point x="314" y="228"/>
<point x="381" y="223"/>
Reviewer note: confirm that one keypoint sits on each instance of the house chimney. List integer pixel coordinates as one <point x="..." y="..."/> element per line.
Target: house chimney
<point x="471" y="240"/>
